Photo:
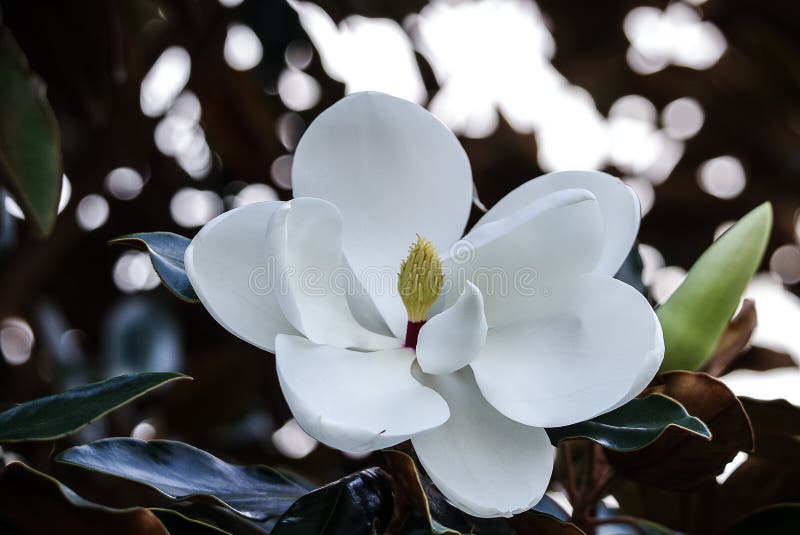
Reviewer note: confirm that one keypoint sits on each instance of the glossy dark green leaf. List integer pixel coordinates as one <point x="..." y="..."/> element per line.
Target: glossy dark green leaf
<point x="695" y="316"/>
<point x="360" y="503"/>
<point x="62" y="414"/>
<point x="166" y="252"/>
<point x="631" y="270"/>
<point x="30" y="142"/>
<point x="782" y="519"/>
<point x="421" y="509"/>
<point x="33" y="502"/>
<point x="179" y="524"/>
<point x="681" y="460"/>
<point x="634" y="425"/>
<point x="548" y="506"/>
<point x="627" y="525"/>
<point x="181" y="472"/>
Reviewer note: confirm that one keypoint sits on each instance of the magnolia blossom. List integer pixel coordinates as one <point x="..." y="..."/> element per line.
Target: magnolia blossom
<point x="526" y="326"/>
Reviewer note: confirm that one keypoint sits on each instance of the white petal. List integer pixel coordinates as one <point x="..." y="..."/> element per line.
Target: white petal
<point x="516" y="260"/>
<point x="355" y="401"/>
<point x="618" y="202"/>
<point x="451" y="340"/>
<point x="305" y="237"/>
<point x="593" y="345"/>
<point x="483" y="463"/>
<point x="229" y="270"/>
<point x="393" y="170"/>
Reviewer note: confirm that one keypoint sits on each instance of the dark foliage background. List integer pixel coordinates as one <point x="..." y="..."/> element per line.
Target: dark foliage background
<point x="93" y="56"/>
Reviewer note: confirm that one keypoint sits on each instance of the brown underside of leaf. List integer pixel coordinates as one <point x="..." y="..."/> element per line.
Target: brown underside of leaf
<point x="680" y="460"/>
<point x="32" y="503"/>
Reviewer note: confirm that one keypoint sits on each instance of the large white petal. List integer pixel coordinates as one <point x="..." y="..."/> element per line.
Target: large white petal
<point x="618" y="202"/>
<point x="451" y="340"/>
<point x="484" y="463"/>
<point x="516" y="260"/>
<point x="355" y="401"/>
<point x="592" y="346"/>
<point x="305" y="237"/>
<point x="394" y="170"/>
<point x="230" y="271"/>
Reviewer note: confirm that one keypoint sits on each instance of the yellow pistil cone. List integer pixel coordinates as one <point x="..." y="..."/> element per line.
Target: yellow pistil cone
<point x="420" y="279"/>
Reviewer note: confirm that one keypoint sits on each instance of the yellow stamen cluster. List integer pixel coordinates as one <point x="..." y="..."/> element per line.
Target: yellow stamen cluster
<point x="420" y="279"/>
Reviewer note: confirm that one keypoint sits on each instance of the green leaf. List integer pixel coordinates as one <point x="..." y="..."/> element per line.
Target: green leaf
<point x="696" y="315"/>
<point x="182" y="472"/>
<point x="631" y="270"/>
<point x="30" y="142"/>
<point x="166" y="253"/>
<point x="62" y="414"/>
<point x="680" y="460"/>
<point x="360" y="503"/>
<point x="634" y="425"/>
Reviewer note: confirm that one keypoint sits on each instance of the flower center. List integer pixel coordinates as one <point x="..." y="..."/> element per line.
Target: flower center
<point x="419" y="285"/>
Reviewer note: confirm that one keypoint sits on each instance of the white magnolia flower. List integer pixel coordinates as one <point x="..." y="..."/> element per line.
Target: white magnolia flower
<point x="531" y="329"/>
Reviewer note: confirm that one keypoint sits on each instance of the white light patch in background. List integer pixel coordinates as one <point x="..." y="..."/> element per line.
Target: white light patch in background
<point x="180" y="136"/>
<point x="230" y="3"/>
<point x="242" y="49"/>
<point x="165" y="80"/>
<point x="254" y="193"/>
<point x="675" y="36"/>
<point x="365" y="54"/>
<point x="292" y="441"/>
<point x="722" y="228"/>
<point x="290" y="127"/>
<point x="652" y="261"/>
<point x="14" y="210"/>
<point x="644" y="191"/>
<point x="637" y="146"/>
<point x="778" y="316"/>
<point x="281" y="171"/>
<point x="192" y="207"/>
<point x="92" y="212"/>
<point x="124" y="183"/>
<point x="665" y="281"/>
<point x="66" y="193"/>
<point x="298" y="90"/>
<point x="144" y="430"/>
<point x="785" y="264"/>
<point x="731" y="467"/>
<point x="16" y="340"/>
<point x="298" y="54"/>
<point x="133" y="272"/>
<point x="682" y="118"/>
<point x="722" y="177"/>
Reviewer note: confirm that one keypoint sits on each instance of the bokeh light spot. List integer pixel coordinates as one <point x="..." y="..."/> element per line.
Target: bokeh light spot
<point x="722" y="177"/>
<point x="16" y="340"/>
<point x="192" y="207"/>
<point x="243" y="49"/>
<point x="92" y="212"/>
<point x="785" y="264"/>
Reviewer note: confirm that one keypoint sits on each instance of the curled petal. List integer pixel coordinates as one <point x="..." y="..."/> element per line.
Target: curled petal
<point x="451" y="340"/>
<point x="592" y="347"/>
<point x="618" y="204"/>
<point x="393" y="170"/>
<point x="355" y="401"/>
<point x="484" y="463"/>
<point x="232" y="274"/>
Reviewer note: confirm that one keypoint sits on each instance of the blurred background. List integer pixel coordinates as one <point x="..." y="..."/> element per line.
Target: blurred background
<point x="173" y="111"/>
